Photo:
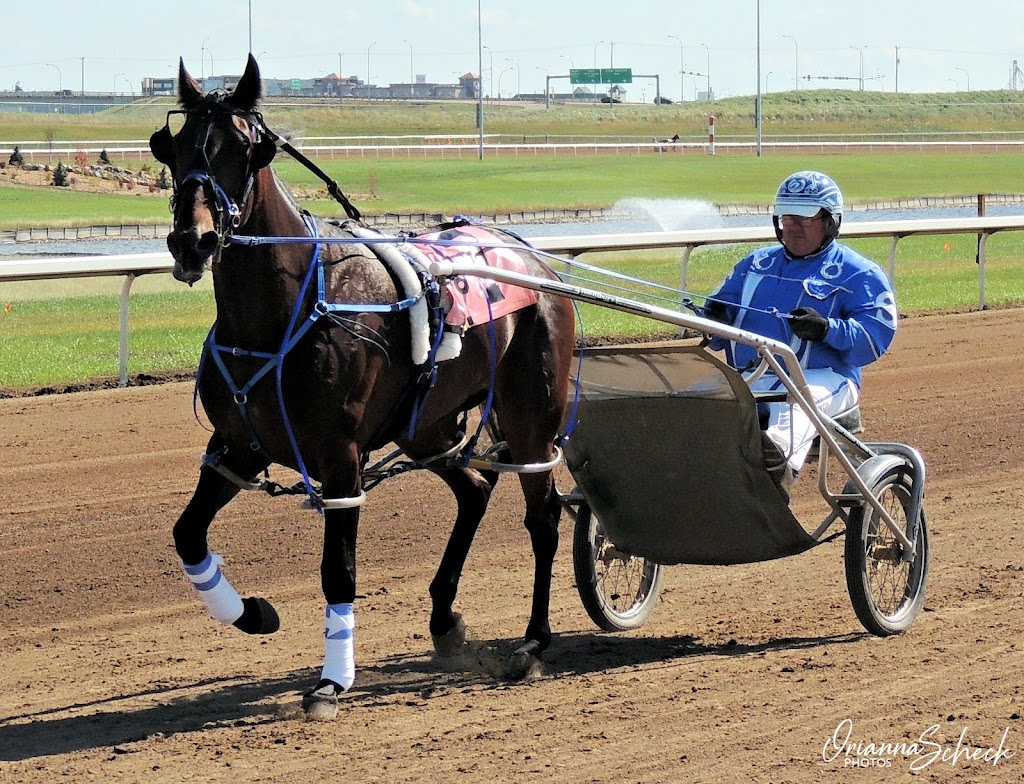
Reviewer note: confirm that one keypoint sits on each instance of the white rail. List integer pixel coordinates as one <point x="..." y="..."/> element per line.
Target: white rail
<point x="131" y="266"/>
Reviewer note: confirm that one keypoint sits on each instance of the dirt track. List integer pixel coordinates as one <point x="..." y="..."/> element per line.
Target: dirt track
<point x="111" y="671"/>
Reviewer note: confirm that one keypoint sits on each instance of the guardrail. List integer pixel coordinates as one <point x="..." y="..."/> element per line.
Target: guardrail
<point x="141" y="151"/>
<point x="131" y="266"/>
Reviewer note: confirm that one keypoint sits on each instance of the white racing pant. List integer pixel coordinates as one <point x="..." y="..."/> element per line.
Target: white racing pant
<point x="789" y="427"/>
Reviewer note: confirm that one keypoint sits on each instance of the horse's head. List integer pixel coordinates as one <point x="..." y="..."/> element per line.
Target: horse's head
<point x="213" y="158"/>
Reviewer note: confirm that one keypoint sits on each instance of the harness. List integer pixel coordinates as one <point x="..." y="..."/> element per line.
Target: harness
<point x="228" y="216"/>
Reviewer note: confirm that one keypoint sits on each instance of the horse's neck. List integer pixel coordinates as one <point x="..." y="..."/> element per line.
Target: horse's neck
<point x="256" y="287"/>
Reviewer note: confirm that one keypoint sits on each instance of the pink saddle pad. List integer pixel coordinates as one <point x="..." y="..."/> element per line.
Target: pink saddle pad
<point x="476" y="300"/>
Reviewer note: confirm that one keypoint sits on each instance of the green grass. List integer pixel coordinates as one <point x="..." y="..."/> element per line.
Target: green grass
<point x="23" y="207"/>
<point x="502" y="185"/>
<point x="61" y="332"/>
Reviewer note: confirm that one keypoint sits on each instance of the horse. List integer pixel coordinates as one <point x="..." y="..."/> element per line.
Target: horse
<point x="666" y="145"/>
<point x="322" y="393"/>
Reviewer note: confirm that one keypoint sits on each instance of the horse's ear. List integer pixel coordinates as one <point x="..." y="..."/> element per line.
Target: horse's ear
<point x="249" y="89"/>
<point x="189" y="91"/>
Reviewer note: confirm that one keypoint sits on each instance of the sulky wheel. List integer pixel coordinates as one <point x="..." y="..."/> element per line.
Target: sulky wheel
<point x="619" y="591"/>
<point x="887" y="592"/>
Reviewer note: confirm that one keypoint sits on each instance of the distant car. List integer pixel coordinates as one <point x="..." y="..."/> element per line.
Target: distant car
<point x="609" y="99"/>
<point x="662" y="99"/>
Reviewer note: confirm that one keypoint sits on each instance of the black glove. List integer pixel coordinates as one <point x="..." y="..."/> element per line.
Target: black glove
<point x="809" y="324"/>
<point x="716" y="311"/>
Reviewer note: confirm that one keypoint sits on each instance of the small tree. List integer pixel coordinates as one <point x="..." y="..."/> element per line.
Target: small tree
<point x="164" y="181"/>
<point x="104" y="158"/>
<point x="81" y="158"/>
<point x="49" y="134"/>
<point x="16" y="159"/>
<point x="60" y="175"/>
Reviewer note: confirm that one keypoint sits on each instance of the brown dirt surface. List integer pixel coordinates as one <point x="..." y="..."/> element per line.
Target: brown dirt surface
<point x="113" y="672"/>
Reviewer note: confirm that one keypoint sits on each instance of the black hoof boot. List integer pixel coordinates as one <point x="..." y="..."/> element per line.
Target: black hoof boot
<point x="258" y="617"/>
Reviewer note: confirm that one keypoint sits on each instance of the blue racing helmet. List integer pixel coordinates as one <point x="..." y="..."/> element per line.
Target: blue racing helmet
<point x="806" y="193"/>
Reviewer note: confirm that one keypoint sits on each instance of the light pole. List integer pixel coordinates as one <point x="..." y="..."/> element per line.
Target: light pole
<point x="490" y="69"/>
<point x="60" y="78"/>
<point x="681" y="68"/>
<point x="966" y="75"/>
<point x="515" y="64"/>
<point x="202" y="60"/>
<point x="368" y="48"/>
<point x="547" y="86"/>
<point x="412" y="90"/>
<point x="115" y="81"/>
<point x="250" y="26"/>
<point x="757" y="119"/>
<point x="480" y="80"/>
<point x="503" y="72"/>
<point x="708" y="69"/>
<point x="861" y="50"/>
<point x="766" y="76"/>
<point x="566" y="57"/>
<point x="595" y="52"/>
<point x="796" y="62"/>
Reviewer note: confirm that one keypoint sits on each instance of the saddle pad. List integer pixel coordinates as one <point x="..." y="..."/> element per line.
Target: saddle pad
<point x="476" y="300"/>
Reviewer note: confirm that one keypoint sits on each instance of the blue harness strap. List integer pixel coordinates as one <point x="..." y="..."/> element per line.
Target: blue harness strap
<point x="295" y="331"/>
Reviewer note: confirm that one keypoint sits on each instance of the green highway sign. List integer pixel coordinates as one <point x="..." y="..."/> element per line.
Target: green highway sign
<point x="616" y="76"/>
<point x="600" y="75"/>
<point x="296" y="84"/>
<point x="585" y="76"/>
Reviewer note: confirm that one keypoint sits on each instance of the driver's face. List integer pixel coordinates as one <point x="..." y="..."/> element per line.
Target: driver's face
<point x="803" y="236"/>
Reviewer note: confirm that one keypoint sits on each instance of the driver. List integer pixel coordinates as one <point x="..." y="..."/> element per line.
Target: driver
<point x="833" y="306"/>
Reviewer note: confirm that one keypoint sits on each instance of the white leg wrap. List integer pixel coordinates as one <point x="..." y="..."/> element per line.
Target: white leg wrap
<point x="339" y="656"/>
<point x="220" y="598"/>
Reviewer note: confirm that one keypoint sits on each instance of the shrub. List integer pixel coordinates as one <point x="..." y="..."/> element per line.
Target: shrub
<point x="81" y="159"/>
<point x="60" y="175"/>
<point x="104" y="158"/>
<point x="164" y="181"/>
<point x="16" y="159"/>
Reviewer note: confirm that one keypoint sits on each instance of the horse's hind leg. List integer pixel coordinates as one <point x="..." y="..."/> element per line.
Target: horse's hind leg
<point x="543" y="510"/>
<point x="250" y="615"/>
<point x="472" y="492"/>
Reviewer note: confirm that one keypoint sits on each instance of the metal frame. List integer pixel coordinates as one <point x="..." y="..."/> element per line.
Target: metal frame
<point x="788" y="371"/>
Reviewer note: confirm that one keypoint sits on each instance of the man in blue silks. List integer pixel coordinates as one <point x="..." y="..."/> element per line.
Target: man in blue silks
<point x="833" y="306"/>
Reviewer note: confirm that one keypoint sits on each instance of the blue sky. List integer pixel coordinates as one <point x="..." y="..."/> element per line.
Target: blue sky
<point x="943" y="45"/>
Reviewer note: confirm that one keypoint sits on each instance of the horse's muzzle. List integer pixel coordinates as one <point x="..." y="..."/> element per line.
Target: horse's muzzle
<point x="192" y="253"/>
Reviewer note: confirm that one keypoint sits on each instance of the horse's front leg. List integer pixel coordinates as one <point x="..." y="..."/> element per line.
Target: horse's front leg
<point x="202" y="567"/>
<point x="338" y="580"/>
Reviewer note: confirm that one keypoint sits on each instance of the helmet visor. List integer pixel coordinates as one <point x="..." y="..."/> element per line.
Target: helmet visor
<point x="802" y="208"/>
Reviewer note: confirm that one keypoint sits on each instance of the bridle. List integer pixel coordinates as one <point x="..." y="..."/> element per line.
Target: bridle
<point x="226" y="208"/>
<point x="263" y="145"/>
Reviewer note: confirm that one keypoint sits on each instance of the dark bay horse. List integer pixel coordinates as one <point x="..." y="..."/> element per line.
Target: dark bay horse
<point x="281" y="385"/>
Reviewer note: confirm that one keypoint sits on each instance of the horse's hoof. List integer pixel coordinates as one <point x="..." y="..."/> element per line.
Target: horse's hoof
<point x="453" y="642"/>
<point x="321" y="704"/>
<point x="525" y="663"/>
<point x="258" y="617"/>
